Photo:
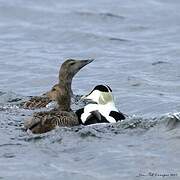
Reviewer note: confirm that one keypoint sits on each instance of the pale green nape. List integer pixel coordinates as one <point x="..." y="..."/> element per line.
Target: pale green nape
<point x="105" y="98"/>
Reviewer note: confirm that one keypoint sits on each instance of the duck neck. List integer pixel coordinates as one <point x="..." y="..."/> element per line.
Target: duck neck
<point x="64" y="100"/>
<point x="66" y="81"/>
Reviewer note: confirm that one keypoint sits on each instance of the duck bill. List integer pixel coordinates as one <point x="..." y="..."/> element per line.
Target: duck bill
<point x="83" y="97"/>
<point x="82" y="63"/>
<point x="87" y="98"/>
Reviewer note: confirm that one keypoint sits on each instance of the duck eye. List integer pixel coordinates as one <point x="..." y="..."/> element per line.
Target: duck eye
<point x="53" y="89"/>
<point x="72" y="63"/>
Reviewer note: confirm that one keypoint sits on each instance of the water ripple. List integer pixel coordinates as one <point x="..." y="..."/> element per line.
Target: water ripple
<point x="101" y="15"/>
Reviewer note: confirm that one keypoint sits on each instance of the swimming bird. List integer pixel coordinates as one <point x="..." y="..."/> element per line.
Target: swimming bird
<point x="101" y="108"/>
<point x="45" y="121"/>
<point x="67" y="71"/>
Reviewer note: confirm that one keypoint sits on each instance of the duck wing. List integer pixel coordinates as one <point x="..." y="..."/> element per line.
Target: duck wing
<point x="95" y="114"/>
<point x="42" y="122"/>
<point x="36" y="102"/>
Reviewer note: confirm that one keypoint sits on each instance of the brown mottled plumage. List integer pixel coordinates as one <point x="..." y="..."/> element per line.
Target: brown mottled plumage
<point x="48" y="120"/>
<point x="53" y="93"/>
<point x="42" y="101"/>
<point x="67" y="72"/>
<point x="42" y="122"/>
<point x="36" y="102"/>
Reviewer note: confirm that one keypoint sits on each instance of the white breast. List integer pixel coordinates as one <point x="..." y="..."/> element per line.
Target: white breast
<point x="87" y="111"/>
<point x="105" y="111"/>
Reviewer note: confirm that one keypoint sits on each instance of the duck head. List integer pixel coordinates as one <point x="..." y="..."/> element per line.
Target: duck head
<point x="53" y="93"/>
<point x="67" y="71"/>
<point x="101" y="94"/>
<point x="70" y="67"/>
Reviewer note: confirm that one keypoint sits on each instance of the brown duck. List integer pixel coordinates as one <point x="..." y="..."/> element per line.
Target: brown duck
<point x="67" y="71"/>
<point x="45" y="121"/>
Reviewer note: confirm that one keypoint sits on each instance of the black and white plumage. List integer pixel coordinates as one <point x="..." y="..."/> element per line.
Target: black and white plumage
<point x="102" y="109"/>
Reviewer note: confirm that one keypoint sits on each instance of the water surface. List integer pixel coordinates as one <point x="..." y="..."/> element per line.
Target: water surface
<point x="136" y="46"/>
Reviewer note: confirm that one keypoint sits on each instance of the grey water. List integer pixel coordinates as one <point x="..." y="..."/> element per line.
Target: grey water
<point x="136" y="47"/>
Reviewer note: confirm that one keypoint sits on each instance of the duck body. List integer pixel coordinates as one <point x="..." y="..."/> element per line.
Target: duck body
<point x="36" y="102"/>
<point x="45" y="121"/>
<point x="93" y="114"/>
<point x="102" y="109"/>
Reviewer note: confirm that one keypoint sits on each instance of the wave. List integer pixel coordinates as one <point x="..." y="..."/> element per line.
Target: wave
<point x="132" y="125"/>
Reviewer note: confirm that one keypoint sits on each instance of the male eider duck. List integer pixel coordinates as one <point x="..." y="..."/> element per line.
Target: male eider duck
<point x="45" y="121"/>
<point x="102" y="109"/>
<point x="67" y="71"/>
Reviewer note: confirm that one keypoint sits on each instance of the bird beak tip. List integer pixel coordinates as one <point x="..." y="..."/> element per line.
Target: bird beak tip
<point x="83" y="97"/>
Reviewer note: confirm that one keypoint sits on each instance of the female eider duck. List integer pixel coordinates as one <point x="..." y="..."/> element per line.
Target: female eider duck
<point x="67" y="71"/>
<point x="45" y="121"/>
<point x="102" y="109"/>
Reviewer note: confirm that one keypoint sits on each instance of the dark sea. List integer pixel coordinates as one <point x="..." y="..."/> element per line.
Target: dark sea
<point x="136" y="47"/>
